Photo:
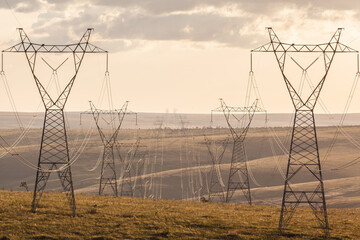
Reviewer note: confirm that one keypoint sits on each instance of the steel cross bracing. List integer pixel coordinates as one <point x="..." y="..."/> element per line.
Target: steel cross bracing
<point x="304" y="151"/>
<point x="238" y="175"/>
<point x="108" y="170"/>
<point x="216" y="187"/>
<point x="54" y="151"/>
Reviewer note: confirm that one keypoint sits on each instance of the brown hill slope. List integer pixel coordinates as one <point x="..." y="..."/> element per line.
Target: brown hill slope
<point x="186" y="162"/>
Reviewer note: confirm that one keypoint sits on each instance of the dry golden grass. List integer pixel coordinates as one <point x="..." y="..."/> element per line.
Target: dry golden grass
<point x="105" y="217"/>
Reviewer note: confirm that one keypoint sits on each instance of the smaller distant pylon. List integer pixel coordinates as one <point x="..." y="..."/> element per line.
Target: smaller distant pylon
<point x="238" y="174"/>
<point x="108" y="170"/>
<point x="216" y="186"/>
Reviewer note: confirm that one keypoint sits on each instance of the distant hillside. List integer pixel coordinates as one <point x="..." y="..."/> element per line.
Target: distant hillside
<point x="171" y="120"/>
<point x="132" y="218"/>
<point x="176" y="163"/>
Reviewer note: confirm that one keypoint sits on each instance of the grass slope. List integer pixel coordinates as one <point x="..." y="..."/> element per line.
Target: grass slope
<point x="106" y="217"/>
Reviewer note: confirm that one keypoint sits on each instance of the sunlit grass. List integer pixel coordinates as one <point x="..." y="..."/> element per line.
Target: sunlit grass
<point x="109" y="217"/>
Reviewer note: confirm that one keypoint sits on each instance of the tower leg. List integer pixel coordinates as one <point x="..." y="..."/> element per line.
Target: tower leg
<point x="238" y="177"/>
<point x="40" y="183"/>
<point x="67" y="183"/>
<point x="54" y="155"/>
<point x="304" y="163"/>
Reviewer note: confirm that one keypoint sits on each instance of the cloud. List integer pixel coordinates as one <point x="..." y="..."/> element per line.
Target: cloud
<point x="253" y="6"/>
<point x="195" y="27"/>
<point x="232" y="23"/>
<point x="192" y="27"/>
<point x="21" y="5"/>
<point x="158" y="7"/>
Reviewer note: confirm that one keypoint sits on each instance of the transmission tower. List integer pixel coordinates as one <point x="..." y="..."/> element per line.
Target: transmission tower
<point x="184" y="148"/>
<point x="130" y="182"/>
<point x="108" y="170"/>
<point x="304" y="151"/>
<point x="54" y="151"/>
<point x="238" y="175"/>
<point x="155" y="184"/>
<point x="216" y="186"/>
<point x="139" y="175"/>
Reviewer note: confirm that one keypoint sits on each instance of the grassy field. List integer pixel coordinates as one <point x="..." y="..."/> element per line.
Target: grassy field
<point x="108" y="217"/>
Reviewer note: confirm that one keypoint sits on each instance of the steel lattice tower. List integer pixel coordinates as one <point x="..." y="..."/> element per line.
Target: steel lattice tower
<point x="304" y="150"/>
<point x="54" y="151"/>
<point x="108" y="170"/>
<point x="216" y="151"/>
<point x="238" y="175"/>
<point x="130" y="169"/>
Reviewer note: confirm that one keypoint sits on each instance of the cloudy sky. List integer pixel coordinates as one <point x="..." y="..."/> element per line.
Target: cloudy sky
<point x="178" y="56"/>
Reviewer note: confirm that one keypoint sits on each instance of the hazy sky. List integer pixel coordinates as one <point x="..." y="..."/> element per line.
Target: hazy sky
<point x="171" y="55"/>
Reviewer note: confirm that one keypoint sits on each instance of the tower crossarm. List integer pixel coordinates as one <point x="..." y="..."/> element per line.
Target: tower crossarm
<point x="235" y="110"/>
<point x="228" y="109"/>
<point x="132" y="149"/>
<point x="314" y="48"/>
<point x="47" y="48"/>
<point x="127" y="145"/>
<point x="96" y="113"/>
<point x="333" y="46"/>
<point x="232" y="111"/>
<point x="27" y="46"/>
<point x="133" y="146"/>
